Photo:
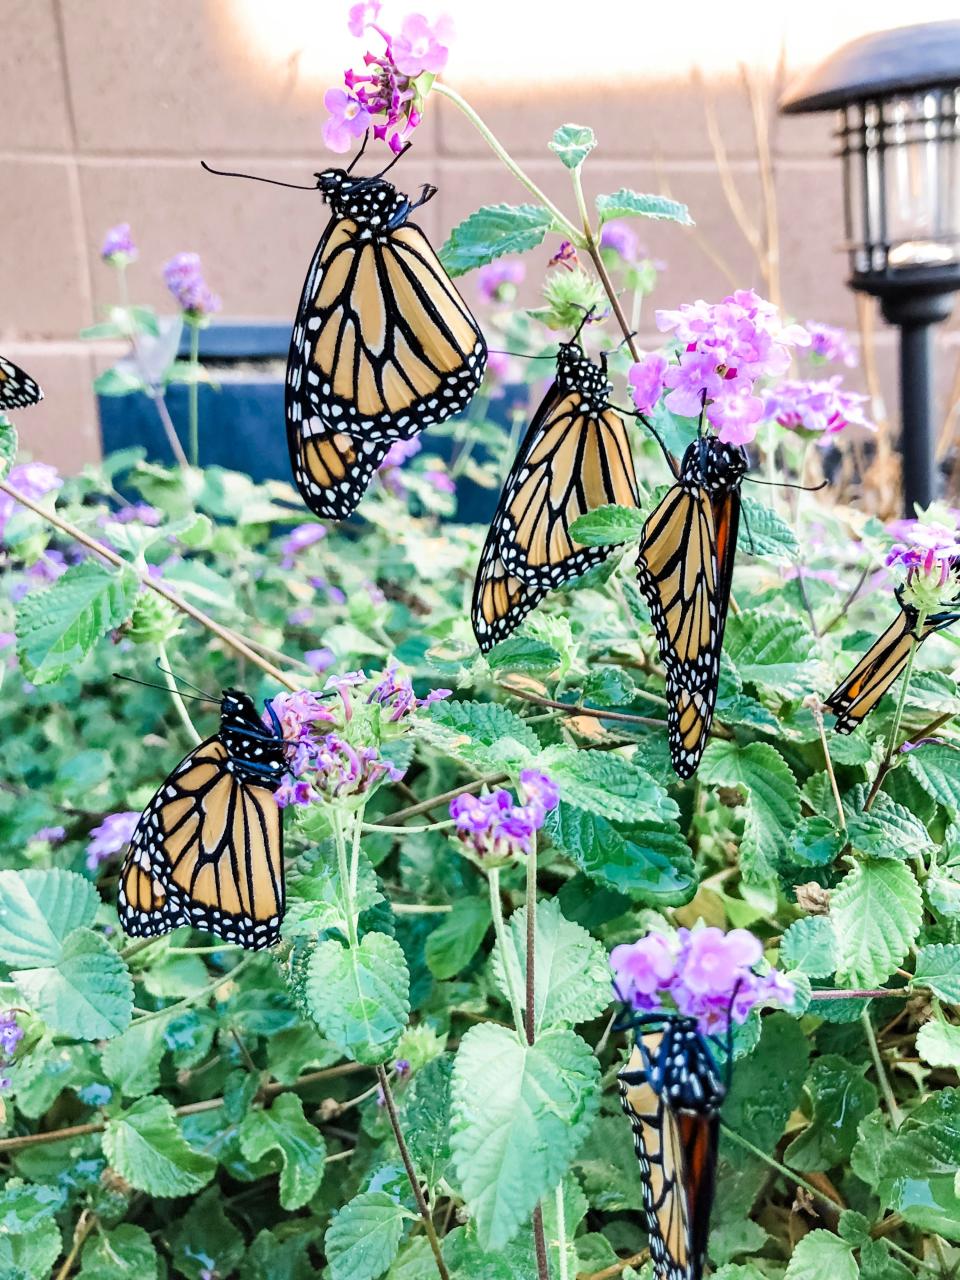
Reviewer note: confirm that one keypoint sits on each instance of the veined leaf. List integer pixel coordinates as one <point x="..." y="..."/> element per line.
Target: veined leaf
<point x="359" y="996"/>
<point x="939" y="1044"/>
<point x="876" y="910"/>
<point x="936" y="767"/>
<point x="810" y="945"/>
<point x="492" y="231"/>
<point x="87" y="995"/>
<point x="765" y="533"/>
<point x="485" y="734"/>
<point x="632" y="204"/>
<point x="146" y="1147"/>
<point x="773" y="800"/>
<point x="821" y="1253"/>
<point x="938" y="967"/>
<point x="363" y="1238"/>
<point x="299" y="1147"/>
<point x="38" y="909"/>
<point x="607" y="784"/>
<point x="572" y="143"/>
<point x="119" y="1254"/>
<point x="608" y="525"/>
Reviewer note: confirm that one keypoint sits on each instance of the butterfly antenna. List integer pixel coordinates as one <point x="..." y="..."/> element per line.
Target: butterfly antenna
<point x="148" y="684"/>
<point x="183" y="680"/>
<point x="523" y="355"/>
<point x="363" y="147"/>
<point x="402" y="152"/>
<point x="587" y="317"/>
<point x="642" y="418"/>
<point x="255" y="177"/>
<point x="746" y="521"/>
<point x="787" y="484"/>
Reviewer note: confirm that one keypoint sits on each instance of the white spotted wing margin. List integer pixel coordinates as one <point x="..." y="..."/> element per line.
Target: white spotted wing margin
<point x="17" y="389"/>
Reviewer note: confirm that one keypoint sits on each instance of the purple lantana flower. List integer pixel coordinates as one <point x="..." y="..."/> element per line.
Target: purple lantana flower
<point x="497" y="281"/>
<point x="50" y="835"/>
<point x="349" y="119"/>
<point x="621" y="238"/>
<point x="183" y="276"/>
<point x="33" y="480"/>
<point x="303" y="536"/>
<point x="422" y="46"/>
<point x="395" y="694"/>
<point x="494" y="828"/>
<point x="319" y="660"/>
<point x="830" y="345"/>
<point x="11" y="1033"/>
<point x="118" y="248"/>
<point x="111" y="837"/>
<point x="343" y="684"/>
<point x="822" y="407"/>
<point x="646" y="379"/>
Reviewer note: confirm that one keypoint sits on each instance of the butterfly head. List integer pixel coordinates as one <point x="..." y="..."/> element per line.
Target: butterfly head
<point x="715" y="466"/>
<point x="256" y="752"/>
<point x="576" y="372"/>
<point x="365" y="200"/>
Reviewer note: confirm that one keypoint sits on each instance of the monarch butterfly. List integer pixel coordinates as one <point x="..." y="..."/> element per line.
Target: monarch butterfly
<point x="876" y="671"/>
<point x="671" y="1092"/>
<point x="575" y="457"/>
<point x="208" y="849"/>
<point x="383" y="344"/>
<point x="17" y="389"/>
<point x="685" y="569"/>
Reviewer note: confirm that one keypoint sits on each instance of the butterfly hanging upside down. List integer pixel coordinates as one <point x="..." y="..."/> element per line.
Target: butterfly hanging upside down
<point x="17" y="389"/>
<point x="208" y="849"/>
<point x="574" y="458"/>
<point x="383" y="344"/>
<point x="685" y="571"/>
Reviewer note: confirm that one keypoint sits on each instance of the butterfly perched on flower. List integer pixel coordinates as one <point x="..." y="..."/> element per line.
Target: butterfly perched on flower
<point x="685" y="571"/>
<point x="208" y="849"/>
<point x="17" y="389"/>
<point x="671" y="1091"/>
<point x="383" y="344"/>
<point x="575" y="457"/>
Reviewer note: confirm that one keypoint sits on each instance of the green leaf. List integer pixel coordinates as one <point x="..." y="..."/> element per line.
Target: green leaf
<point x="519" y="1114"/>
<point x="936" y="767"/>
<point x="301" y="1149"/>
<point x="8" y="446"/>
<point x="122" y="1253"/>
<point x="606" y="784"/>
<point x="939" y="1044"/>
<point x="938" y="967"/>
<point x="131" y="1061"/>
<point x="205" y="1242"/>
<point x="816" y="841"/>
<point x="810" y="945"/>
<point x="484" y="734"/>
<point x="572" y="143"/>
<point x="315" y="897"/>
<point x="571" y="972"/>
<point x="765" y="533"/>
<point x="773" y="801"/>
<point x="30" y="1255"/>
<point x="279" y="1257"/>
<point x="145" y="1146"/>
<point x="841" y="1098"/>
<point x="58" y="627"/>
<point x="820" y="1253"/>
<point x="608" y="525"/>
<point x="918" y="1165"/>
<point x="888" y="830"/>
<point x="524" y="654"/>
<point x="363" y="1238"/>
<point x="359" y="996"/>
<point x="876" y="910"/>
<point x="492" y="231"/>
<point x="631" y="204"/>
<point x="772" y="651"/>
<point x="425" y="1118"/>
<point x="650" y="861"/>
<point x="88" y="994"/>
<point x="452" y="945"/>
<point x="38" y="909"/>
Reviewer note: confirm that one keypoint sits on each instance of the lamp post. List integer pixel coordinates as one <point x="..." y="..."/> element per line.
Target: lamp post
<point x="897" y="99"/>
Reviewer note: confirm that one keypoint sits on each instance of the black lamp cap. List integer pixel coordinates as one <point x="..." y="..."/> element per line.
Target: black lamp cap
<point x="886" y="62"/>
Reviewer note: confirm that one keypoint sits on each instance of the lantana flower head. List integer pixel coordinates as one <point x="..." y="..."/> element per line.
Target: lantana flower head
<point x="702" y="973"/>
<point x="33" y="479"/>
<point x="822" y="407"/>
<point x="495" y="829"/>
<point x="830" y="345"/>
<point x="118" y="248"/>
<point x="621" y="238"/>
<point x="646" y="379"/>
<point x="394" y="692"/>
<point x="111" y="837"/>
<point x="298" y="539"/>
<point x="183" y="276"/>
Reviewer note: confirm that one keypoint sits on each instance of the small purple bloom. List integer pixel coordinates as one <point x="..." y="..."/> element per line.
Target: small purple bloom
<point x="497" y="281"/>
<point x="642" y="968"/>
<point x="493" y="828"/>
<point x="359" y="16"/>
<point x="440" y="480"/>
<point x="136" y="513"/>
<point x="830" y="345"/>
<point x="712" y="955"/>
<point x="33" y="479"/>
<point x="646" y="380"/>
<point x="11" y="1033"/>
<point x="401" y="451"/>
<point x="319" y="660"/>
<point x="111" y="837"/>
<point x="349" y="119"/>
<point x="402" y="1068"/>
<point x="118" y="246"/>
<point x="183" y="276"/>
<point x="303" y="536"/>
<point x="539" y="790"/>
<point x="51" y="835"/>
<point x="300" y="617"/>
<point x="343" y="684"/>
<point x="823" y="407"/>
<point x="422" y="46"/>
<point x="917" y="538"/>
<point x="297" y="712"/>
<point x="621" y="238"/>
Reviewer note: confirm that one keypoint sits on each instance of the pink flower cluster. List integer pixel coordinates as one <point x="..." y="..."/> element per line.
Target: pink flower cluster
<point x="395" y="694"/>
<point x="830" y="345"/>
<point x="494" y="827"/>
<point x="727" y="347"/>
<point x="821" y="407"/>
<point x="111" y="837"/>
<point x="389" y="98"/>
<point x="922" y="545"/>
<point x="705" y="973"/>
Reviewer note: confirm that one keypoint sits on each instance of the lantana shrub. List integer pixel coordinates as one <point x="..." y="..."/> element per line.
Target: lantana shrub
<point x="490" y="862"/>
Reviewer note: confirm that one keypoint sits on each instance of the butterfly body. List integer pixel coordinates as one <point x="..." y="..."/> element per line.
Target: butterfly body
<point x="574" y="458"/>
<point x="685" y="571"/>
<point x="208" y="849"/>
<point x="382" y="346"/>
<point x="671" y="1092"/>
<point x="17" y="389"/>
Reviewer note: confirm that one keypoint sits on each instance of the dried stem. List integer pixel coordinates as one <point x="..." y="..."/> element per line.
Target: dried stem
<point x="424" y="806"/>
<point x="85" y="1224"/>
<point x="616" y="1268"/>
<point x="896" y="1116"/>
<point x="575" y="709"/>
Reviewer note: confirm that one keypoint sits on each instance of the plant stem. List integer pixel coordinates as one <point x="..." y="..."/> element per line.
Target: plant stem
<point x="187" y="1001"/>
<point x="424" y="806"/>
<point x="540" y="1244"/>
<point x="412" y="1173"/>
<point x="235" y="642"/>
<point x="892" y="745"/>
<point x="562" y="1232"/>
<point x="598" y="713"/>
<point x="499" y="928"/>
<point x="345" y="878"/>
<point x="868" y="993"/>
<point x="502" y="154"/>
<point x="617" y="1268"/>
<point x="355" y="852"/>
<point x="85" y="1224"/>
<point x="781" y="1168"/>
<point x="817" y="711"/>
<point x="194" y="394"/>
<point x="896" y="1116"/>
<point x="539" y="1240"/>
<point x="178" y="701"/>
<point x="153" y="393"/>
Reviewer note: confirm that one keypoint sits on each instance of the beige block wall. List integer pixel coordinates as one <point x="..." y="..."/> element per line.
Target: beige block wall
<point x="107" y="106"/>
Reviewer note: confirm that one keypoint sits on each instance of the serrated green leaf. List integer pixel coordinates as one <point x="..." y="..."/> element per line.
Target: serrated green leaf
<point x="315" y="898"/>
<point x="280" y="1256"/>
<point x="205" y="1243"/>
<point x="363" y="1238"/>
<point x="936" y="767"/>
<point x="8" y="446"/>
<point x="492" y="231"/>
<point x="650" y="861"/>
<point x="519" y="1114"/>
<point x="121" y="1253"/>
<point x="57" y="628"/>
<point x="359" y="996"/>
<point x="608" y="525"/>
<point x="571" y="972"/>
<point x="299" y="1146"/>
<point x="30" y="1256"/>
<point x="771" y="650"/>
<point x="425" y="1118"/>
<point x="572" y="143"/>
<point x="888" y="830"/>
<point x="484" y="734"/>
<point x="38" y="909"/>
<point x="840" y="1098"/>
<point x="939" y="1044"/>
<point x="88" y="994"/>
<point x="131" y="1061"/>
<point x="632" y="204"/>
<point x="606" y="784"/>
<point x="452" y="945"/>
<point x="810" y="945"/>
<point x="938" y="967"/>
<point x="816" y="841"/>
<point x="917" y="1167"/>
<point x="820" y="1253"/>
<point x="773" y="801"/>
<point x="524" y="654"/>
<point x="145" y="1146"/>
<point x="876" y="910"/>
<point x="766" y="533"/>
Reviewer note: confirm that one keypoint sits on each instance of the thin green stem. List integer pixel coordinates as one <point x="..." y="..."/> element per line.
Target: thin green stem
<point x="355" y="852"/>
<point x="194" y="396"/>
<point x="741" y="1141"/>
<point x="497" y="147"/>
<point x="345" y="880"/>
<point x="530" y="1026"/>
<point x="197" y="996"/>
<point x="409" y="831"/>
<point x="500" y="929"/>
<point x="153" y="393"/>
<point x="817" y="711"/>
<point x="892" y="738"/>
<point x="896" y="1116"/>
<point x="178" y="701"/>
<point x="562" y="1233"/>
<point x="592" y="246"/>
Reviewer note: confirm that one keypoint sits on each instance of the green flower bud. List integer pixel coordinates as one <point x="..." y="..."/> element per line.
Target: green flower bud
<point x="569" y="295"/>
<point x="154" y="620"/>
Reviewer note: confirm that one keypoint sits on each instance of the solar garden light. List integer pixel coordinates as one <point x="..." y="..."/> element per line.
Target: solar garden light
<point x="897" y="99"/>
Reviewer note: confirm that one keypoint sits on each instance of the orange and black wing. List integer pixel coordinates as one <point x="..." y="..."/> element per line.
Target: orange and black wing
<point x="572" y="460"/>
<point x="207" y="852"/>
<point x="17" y="389"/>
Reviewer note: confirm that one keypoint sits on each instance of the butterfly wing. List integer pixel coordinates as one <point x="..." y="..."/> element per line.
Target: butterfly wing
<point x="17" y="389"/>
<point x="572" y="460"/>
<point x="207" y="852"/>
<point x="332" y="469"/>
